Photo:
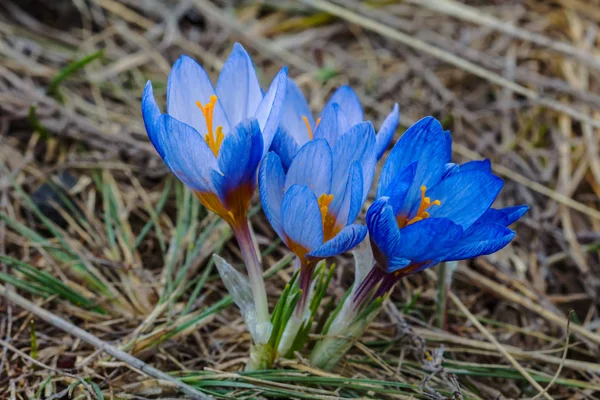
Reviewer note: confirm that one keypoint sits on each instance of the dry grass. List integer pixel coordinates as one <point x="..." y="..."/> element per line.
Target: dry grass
<point x="122" y="251"/>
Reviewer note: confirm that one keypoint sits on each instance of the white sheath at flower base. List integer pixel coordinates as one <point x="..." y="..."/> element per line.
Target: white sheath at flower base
<point x="239" y="288"/>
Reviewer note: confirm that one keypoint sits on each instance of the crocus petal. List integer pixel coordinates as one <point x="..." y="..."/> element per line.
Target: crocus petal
<point x="387" y="130"/>
<point x="349" y="103"/>
<point x="285" y="146"/>
<point x="514" y="213"/>
<point x="269" y="109"/>
<point x="150" y="113"/>
<point x="503" y="216"/>
<point x="479" y="240"/>
<point x="348" y="238"/>
<point x="239" y="156"/>
<point x="189" y="83"/>
<point x="357" y="144"/>
<point x="311" y="167"/>
<point x="425" y="240"/>
<point x="294" y="108"/>
<point x="465" y="196"/>
<point x="237" y="88"/>
<point x="383" y="228"/>
<point x="187" y="154"/>
<point x="425" y="142"/>
<point x="301" y="217"/>
<point x="332" y="124"/>
<point x="346" y="208"/>
<point x="398" y="189"/>
<point x="271" y="180"/>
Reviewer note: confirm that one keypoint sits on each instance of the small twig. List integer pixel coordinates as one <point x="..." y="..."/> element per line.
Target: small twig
<point x="87" y="337"/>
<point x="499" y="346"/>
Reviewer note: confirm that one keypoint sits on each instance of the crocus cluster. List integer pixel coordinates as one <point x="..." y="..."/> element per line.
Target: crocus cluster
<point x="314" y="176"/>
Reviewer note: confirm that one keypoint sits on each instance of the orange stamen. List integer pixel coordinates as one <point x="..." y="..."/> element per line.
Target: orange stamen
<point x="421" y="212"/>
<point x="212" y="138"/>
<point x="309" y="128"/>
<point x="330" y="227"/>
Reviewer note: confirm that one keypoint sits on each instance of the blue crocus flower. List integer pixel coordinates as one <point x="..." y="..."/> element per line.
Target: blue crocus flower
<point x="429" y="210"/>
<point x="342" y="111"/>
<point x="213" y="138"/>
<point x="312" y="207"/>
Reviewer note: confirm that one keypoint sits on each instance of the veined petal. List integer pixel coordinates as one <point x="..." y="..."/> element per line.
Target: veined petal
<point x="427" y="240"/>
<point x="398" y="189"/>
<point x="348" y="238"/>
<point x="269" y="109"/>
<point x="479" y="240"/>
<point x="347" y="207"/>
<point x="383" y="228"/>
<point x="357" y="144"/>
<point x="187" y="154"/>
<point x="328" y="128"/>
<point x="311" y="167"/>
<point x="426" y="143"/>
<point x="349" y="103"/>
<point x="295" y="107"/>
<point x="271" y="180"/>
<point x="150" y="113"/>
<point x="475" y="165"/>
<point x="465" y="196"/>
<point x="189" y="83"/>
<point x="237" y="87"/>
<point x="285" y="146"/>
<point x="387" y="130"/>
<point x="301" y="217"/>
<point x="503" y="216"/>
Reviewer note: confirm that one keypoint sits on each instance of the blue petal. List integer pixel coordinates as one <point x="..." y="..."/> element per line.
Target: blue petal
<point x="269" y="109"/>
<point x="465" y="196"/>
<point x="503" y="216"/>
<point x="332" y="124"/>
<point x="301" y="218"/>
<point x="346" y="208"/>
<point x="514" y="213"/>
<point x="398" y="189"/>
<point x="476" y="165"/>
<point x="239" y="156"/>
<point x="479" y="240"/>
<point x="189" y="83"/>
<point x="349" y="103"/>
<point x="285" y="146"/>
<point x="237" y="87"/>
<point x="357" y="144"/>
<point x="426" y="240"/>
<point x="150" y="113"/>
<point x="347" y="239"/>
<point x="311" y="167"/>
<point x="387" y="130"/>
<point x="383" y="228"/>
<point x="271" y="179"/>
<point x="187" y="154"/>
<point x="426" y="143"/>
<point x="294" y="108"/>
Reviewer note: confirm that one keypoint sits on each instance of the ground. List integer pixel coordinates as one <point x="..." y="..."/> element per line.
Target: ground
<point x="95" y="230"/>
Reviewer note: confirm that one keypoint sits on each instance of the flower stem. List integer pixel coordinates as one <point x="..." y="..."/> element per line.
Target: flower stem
<point x="253" y="265"/>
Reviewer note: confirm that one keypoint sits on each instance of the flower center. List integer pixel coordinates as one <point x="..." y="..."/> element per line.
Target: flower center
<point x="421" y="212"/>
<point x="212" y="138"/>
<point x="330" y="228"/>
<point x="308" y="127"/>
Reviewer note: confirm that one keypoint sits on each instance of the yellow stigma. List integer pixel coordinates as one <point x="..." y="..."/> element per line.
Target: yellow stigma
<point x="330" y="228"/>
<point x="308" y="127"/>
<point x="421" y="212"/>
<point x="212" y="138"/>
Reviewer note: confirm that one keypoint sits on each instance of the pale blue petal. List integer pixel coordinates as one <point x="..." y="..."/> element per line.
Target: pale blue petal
<point x="331" y="124"/>
<point x="465" y="196"/>
<point x="301" y="217"/>
<point x="269" y="109"/>
<point x="271" y="180"/>
<point x="357" y="144"/>
<point x="311" y="167"/>
<point x="349" y="103"/>
<point x="150" y="113"/>
<point x="294" y="108"/>
<point x="187" y="154"/>
<point x="189" y="83"/>
<point x="285" y="146"/>
<point x="387" y="130"/>
<point x="346" y="208"/>
<point x="237" y="87"/>
<point x="347" y="239"/>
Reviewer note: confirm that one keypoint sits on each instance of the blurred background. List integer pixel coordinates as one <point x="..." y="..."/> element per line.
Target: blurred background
<point x="94" y="229"/>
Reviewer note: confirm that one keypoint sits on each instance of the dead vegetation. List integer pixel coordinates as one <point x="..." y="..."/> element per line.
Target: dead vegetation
<point x="94" y="230"/>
